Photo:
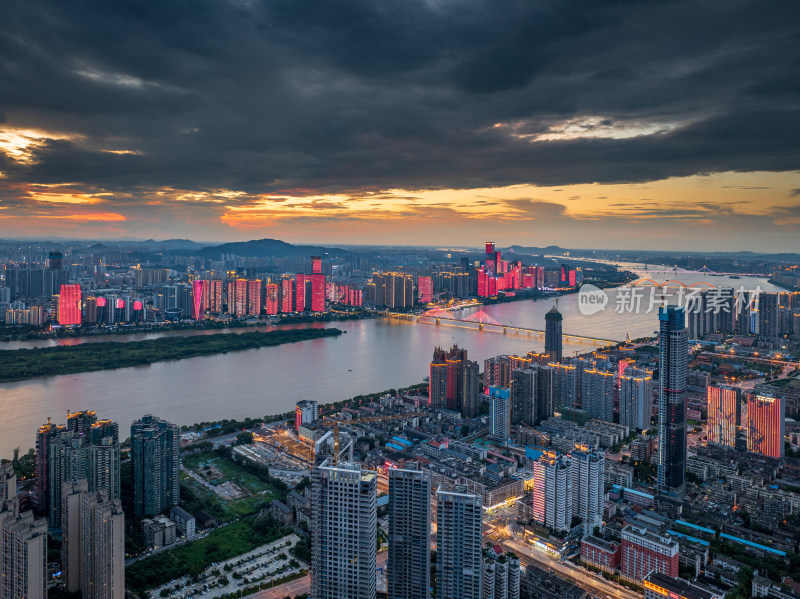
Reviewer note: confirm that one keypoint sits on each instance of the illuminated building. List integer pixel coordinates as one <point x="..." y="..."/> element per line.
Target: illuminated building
<point x="588" y="486"/>
<point x="287" y="295"/>
<point x="724" y="414"/>
<point x="316" y="264"/>
<point x="197" y="299"/>
<point x="305" y="412"/>
<point x="301" y="293"/>
<point x="635" y="398"/>
<point x="254" y="297"/>
<point x="659" y="586"/>
<point x="69" y="305"/>
<point x="155" y="453"/>
<point x="552" y="491"/>
<point x="23" y="555"/>
<point x="271" y="303"/>
<point x="458" y="544"/>
<point x="93" y="549"/>
<point x="425" y="285"/>
<point x="44" y="437"/>
<point x="673" y="366"/>
<point x="766" y="425"/>
<point x="317" y="292"/>
<point x="565" y="385"/>
<point x="392" y="290"/>
<point x="90" y="310"/>
<point x="500" y="413"/>
<point x="215" y="296"/>
<point x="644" y="552"/>
<point x="237" y="297"/>
<point x="552" y="334"/>
<point x="343" y="532"/>
<point x="453" y="381"/>
<point x="409" y="560"/>
<point x="597" y="394"/>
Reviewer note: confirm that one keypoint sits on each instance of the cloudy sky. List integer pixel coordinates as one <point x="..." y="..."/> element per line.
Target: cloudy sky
<point x="623" y="124"/>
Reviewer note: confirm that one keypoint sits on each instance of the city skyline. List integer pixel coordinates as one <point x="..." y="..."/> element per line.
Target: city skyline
<point x="398" y="124"/>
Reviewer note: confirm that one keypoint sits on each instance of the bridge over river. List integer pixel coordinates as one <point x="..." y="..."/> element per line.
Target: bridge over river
<point x="481" y="321"/>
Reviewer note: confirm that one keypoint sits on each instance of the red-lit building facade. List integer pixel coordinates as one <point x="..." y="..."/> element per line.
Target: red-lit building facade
<point x="199" y="290"/>
<point x="496" y="274"/>
<point x="643" y="552"/>
<point x="724" y="414"/>
<point x="69" y="305"/>
<point x="425" y="289"/>
<point x="766" y="425"/>
<point x="271" y="299"/>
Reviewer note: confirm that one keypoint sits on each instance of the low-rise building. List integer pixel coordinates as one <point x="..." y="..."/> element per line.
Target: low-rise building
<point x="184" y="521"/>
<point x="600" y="553"/>
<point x="158" y="531"/>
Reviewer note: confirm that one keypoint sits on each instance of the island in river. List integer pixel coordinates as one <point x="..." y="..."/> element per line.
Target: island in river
<point x="21" y="364"/>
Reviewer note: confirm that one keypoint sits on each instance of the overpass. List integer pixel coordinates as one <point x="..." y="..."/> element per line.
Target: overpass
<point x="482" y="322"/>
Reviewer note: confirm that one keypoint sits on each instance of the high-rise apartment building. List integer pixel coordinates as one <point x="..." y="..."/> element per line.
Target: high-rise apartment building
<point x="69" y="305"/>
<point x="552" y="334"/>
<point x="673" y="367"/>
<point x="44" y="436"/>
<point x="724" y="411"/>
<point x="766" y="417"/>
<point x="635" y="398"/>
<point x="425" y="286"/>
<point x="501" y="575"/>
<point x="343" y="532"/>
<point x="409" y="562"/>
<point x="306" y="411"/>
<point x="523" y="396"/>
<point x="500" y="413"/>
<point x="93" y="550"/>
<point x="597" y="394"/>
<point x="155" y="452"/>
<point x="271" y="302"/>
<point x="453" y="381"/>
<point x="644" y="551"/>
<point x="552" y="491"/>
<point x="588" y="486"/>
<point x="459" y="559"/>
<point x="254" y="301"/>
<point x="23" y="555"/>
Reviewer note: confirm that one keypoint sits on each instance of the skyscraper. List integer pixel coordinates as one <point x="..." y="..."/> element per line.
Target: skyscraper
<point x="673" y="366"/>
<point x="766" y="425"/>
<point x="459" y="562"/>
<point x="552" y="334"/>
<point x="597" y="394"/>
<point x="69" y="305"/>
<point x="94" y="559"/>
<point x="635" y="398"/>
<point x="343" y="532"/>
<point x="523" y="396"/>
<point x="44" y="436"/>
<point x="724" y="414"/>
<point x="23" y="555"/>
<point x="409" y="534"/>
<point x="155" y="452"/>
<point x="500" y="413"/>
<point x="588" y="486"/>
<point x="437" y="379"/>
<point x="453" y="382"/>
<point x="425" y="285"/>
<point x="552" y="491"/>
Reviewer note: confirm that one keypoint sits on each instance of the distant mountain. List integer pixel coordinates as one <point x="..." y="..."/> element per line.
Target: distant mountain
<point x="550" y="249"/>
<point x="259" y="248"/>
<point x="176" y="244"/>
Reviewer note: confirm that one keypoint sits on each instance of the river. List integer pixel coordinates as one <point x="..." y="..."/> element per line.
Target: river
<point x="372" y="356"/>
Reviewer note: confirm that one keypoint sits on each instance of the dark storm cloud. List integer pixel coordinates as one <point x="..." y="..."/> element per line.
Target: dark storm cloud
<point x="343" y="94"/>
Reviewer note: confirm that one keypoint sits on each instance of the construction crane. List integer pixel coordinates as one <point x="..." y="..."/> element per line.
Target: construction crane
<point x="336" y="422"/>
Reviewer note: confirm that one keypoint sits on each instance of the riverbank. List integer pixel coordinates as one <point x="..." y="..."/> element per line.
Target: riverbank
<point x="22" y="364"/>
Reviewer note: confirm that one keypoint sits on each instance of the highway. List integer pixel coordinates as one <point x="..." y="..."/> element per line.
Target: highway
<point x="594" y="585"/>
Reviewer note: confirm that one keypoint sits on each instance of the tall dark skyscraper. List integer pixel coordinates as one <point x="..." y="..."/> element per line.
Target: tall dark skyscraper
<point x="409" y="534"/>
<point x="552" y="334"/>
<point x="673" y="364"/>
<point x="459" y="562"/>
<point x="155" y="452"/>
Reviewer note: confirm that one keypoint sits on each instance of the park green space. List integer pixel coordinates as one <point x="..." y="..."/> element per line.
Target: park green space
<point x="20" y="364"/>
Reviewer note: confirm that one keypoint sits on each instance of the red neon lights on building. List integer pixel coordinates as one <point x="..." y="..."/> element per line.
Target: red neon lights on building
<point x="573" y="275"/>
<point x="317" y="292"/>
<point x="271" y="304"/>
<point x="215" y="296"/>
<point x="254" y="298"/>
<point x="489" y="247"/>
<point x="69" y="305"/>
<point x="723" y="409"/>
<point x="425" y="285"/>
<point x="101" y="302"/>
<point x="138" y="305"/>
<point x="120" y="303"/>
<point x="316" y="264"/>
<point x="197" y="300"/>
<point x="287" y="295"/>
<point x="300" y="293"/>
